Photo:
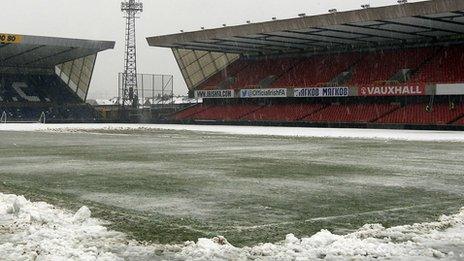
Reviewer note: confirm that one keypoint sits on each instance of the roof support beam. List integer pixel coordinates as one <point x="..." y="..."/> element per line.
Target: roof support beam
<point x="361" y="34"/>
<point x="421" y="27"/>
<point x="250" y="46"/>
<point x="439" y="20"/>
<point x="377" y="31"/>
<point x="50" y="56"/>
<point x="305" y="41"/>
<point x="344" y="39"/>
<point x="263" y="43"/>
<point x="22" y="53"/>
<point x="194" y="46"/>
<point x="278" y="42"/>
<point x="388" y="30"/>
<point x="313" y="42"/>
<point x="323" y="40"/>
<point x="237" y="43"/>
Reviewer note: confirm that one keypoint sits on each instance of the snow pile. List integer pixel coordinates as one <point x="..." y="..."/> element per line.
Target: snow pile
<point x="412" y="135"/>
<point x="427" y="241"/>
<point x="38" y="231"/>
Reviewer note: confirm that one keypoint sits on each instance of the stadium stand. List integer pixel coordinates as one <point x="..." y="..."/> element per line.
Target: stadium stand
<point x="225" y="112"/>
<point x="445" y="67"/>
<point x="282" y="112"/>
<point x="460" y="121"/>
<point x="350" y="69"/>
<point x="221" y="77"/>
<point x="381" y="66"/>
<point x="262" y="73"/>
<point x="45" y="77"/>
<point x="425" y="114"/>
<point x="190" y="112"/>
<point x="35" y="88"/>
<point x="343" y="113"/>
<point x="317" y="71"/>
<point x="399" y="70"/>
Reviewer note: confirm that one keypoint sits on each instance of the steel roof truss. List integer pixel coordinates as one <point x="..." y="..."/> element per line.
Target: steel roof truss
<point x="265" y="42"/>
<point x="425" y="27"/>
<point x="343" y="41"/>
<point x="240" y="44"/>
<point x="50" y="56"/>
<point x="316" y="42"/>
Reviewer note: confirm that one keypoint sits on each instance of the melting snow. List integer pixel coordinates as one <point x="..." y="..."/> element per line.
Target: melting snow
<point x="39" y="231"/>
<point x="413" y="135"/>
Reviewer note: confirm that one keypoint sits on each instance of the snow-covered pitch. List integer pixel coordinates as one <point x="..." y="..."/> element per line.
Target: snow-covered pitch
<point x="229" y="193"/>
<point x="412" y="135"/>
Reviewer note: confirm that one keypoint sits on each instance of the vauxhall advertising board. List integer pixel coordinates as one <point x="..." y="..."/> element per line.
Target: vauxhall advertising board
<point x="263" y="93"/>
<point x="215" y="94"/>
<point x="322" y="92"/>
<point x="401" y="90"/>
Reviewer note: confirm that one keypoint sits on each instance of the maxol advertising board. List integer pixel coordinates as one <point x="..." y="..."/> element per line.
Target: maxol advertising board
<point x="322" y="92"/>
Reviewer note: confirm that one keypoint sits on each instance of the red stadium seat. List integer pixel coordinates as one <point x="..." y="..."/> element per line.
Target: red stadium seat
<point x="445" y="67"/>
<point x="317" y="70"/>
<point x="260" y="69"/>
<point x="283" y="112"/>
<point x="345" y="113"/>
<point x="189" y="112"/>
<point x="379" y="67"/>
<point x="460" y="121"/>
<point x="230" y="71"/>
<point x="417" y="114"/>
<point x="225" y="112"/>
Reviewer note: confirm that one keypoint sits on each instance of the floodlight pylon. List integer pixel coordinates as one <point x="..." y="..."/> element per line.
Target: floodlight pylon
<point x="131" y="9"/>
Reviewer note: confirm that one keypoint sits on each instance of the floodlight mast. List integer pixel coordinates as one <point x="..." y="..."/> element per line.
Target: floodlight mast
<point x="129" y="85"/>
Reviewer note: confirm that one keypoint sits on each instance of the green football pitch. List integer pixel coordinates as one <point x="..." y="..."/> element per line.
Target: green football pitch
<point x="171" y="186"/>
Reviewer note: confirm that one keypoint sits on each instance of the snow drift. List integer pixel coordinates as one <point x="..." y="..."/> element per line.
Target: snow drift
<point x="39" y="231"/>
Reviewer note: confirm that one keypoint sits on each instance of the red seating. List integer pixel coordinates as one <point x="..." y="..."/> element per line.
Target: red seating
<point x="317" y="70"/>
<point x="439" y="114"/>
<point x="229" y="71"/>
<point x="417" y="114"/>
<point x="189" y="112"/>
<point x="431" y="64"/>
<point x="445" y="67"/>
<point x="261" y="69"/>
<point x="338" y="113"/>
<point x="282" y="112"/>
<point x="225" y="112"/>
<point x="379" y="67"/>
<point x="460" y="121"/>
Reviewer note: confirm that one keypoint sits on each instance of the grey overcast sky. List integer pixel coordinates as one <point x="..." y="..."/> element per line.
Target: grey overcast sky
<point x="102" y="20"/>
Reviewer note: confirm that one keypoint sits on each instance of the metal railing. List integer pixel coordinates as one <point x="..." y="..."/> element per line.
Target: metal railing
<point x="4" y="119"/>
